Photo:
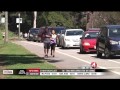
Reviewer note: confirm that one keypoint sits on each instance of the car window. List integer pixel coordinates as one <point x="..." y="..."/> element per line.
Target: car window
<point x="71" y="33"/>
<point x="58" y="30"/>
<point x="63" y="32"/>
<point x="103" y="32"/>
<point x="91" y="35"/>
<point x="34" y="31"/>
<point x="114" y="32"/>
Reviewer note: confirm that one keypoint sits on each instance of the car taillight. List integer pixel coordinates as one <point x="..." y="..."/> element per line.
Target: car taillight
<point x="86" y="44"/>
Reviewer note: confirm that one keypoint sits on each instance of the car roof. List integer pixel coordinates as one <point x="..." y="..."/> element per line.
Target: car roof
<point x="112" y="26"/>
<point x="34" y="28"/>
<point x="93" y="29"/>
<point x="74" y="29"/>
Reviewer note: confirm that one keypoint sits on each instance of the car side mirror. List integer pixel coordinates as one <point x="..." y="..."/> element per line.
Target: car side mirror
<point x="80" y="37"/>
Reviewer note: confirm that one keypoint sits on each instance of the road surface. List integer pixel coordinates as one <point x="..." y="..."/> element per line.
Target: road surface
<point x="71" y="59"/>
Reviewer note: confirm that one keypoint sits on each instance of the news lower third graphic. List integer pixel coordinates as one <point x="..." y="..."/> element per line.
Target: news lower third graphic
<point x="85" y="70"/>
<point x="45" y="72"/>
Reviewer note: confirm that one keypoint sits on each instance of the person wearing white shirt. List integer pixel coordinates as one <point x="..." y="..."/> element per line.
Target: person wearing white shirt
<point x="53" y="42"/>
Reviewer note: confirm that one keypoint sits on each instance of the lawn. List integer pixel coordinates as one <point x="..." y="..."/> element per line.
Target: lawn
<point x="17" y="57"/>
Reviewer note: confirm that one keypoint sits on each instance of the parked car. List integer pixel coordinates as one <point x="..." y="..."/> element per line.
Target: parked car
<point x="41" y="30"/>
<point x="71" y="38"/>
<point x="62" y="33"/>
<point x="57" y="30"/>
<point x="108" y="41"/>
<point x="33" y="34"/>
<point x="88" y="41"/>
<point x="93" y="29"/>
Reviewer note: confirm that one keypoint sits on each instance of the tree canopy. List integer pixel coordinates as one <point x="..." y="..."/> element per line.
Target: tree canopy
<point x="67" y="19"/>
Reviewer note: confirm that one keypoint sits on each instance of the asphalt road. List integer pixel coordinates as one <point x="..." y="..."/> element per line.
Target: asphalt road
<point x="71" y="59"/>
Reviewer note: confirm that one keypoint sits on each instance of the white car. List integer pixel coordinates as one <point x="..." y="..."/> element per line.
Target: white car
<point x="71" y="38"/>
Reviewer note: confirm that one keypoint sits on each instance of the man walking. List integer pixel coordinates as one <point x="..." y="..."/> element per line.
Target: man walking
<point x="46" y="35"/>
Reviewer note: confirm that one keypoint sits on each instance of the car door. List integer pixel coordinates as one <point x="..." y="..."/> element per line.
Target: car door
<point x="102" y="39"/>
<point x="81" y="39"/>
<point x="62" y="37"/>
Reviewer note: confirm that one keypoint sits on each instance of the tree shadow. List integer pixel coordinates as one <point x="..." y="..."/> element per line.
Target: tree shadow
<point x="87" y="53"/>
<point x="11" y="59"/>
<point x="68" y="48"/>
<point x="52" y="60"/>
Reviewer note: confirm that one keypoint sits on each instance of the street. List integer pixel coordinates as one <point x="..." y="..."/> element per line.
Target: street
<point x="72" y="59"/>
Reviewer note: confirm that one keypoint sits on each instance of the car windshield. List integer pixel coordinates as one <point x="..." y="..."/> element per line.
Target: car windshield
<point x="73" y="33"/>
<point x="34" y="31"/>
<point x="58" y="30"/>
<point x="91" y="35"/>
<point x="114" y="32"/>
<point x="63" y="32"/>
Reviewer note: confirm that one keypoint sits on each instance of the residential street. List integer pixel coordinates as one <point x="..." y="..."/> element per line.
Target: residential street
<point x="71" y="59"/>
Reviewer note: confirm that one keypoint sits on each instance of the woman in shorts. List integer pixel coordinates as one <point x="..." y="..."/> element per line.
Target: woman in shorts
<point x="53" y="43"/>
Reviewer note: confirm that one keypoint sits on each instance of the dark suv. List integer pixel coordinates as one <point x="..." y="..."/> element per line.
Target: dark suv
<point x="33" y="33"/>
<point x="108" y="41"/>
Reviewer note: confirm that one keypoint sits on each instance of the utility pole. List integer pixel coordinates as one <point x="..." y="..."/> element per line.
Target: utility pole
<point x="19" y="27"/>
<point x="35" y="17"/>
<point x="6" y="27"/>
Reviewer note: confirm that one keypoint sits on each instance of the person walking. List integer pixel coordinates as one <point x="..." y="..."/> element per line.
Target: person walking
<point x="53" y="43"/>
<point x="46" y="41"/>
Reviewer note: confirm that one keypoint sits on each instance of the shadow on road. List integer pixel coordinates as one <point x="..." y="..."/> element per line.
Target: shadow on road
<point x="51" y="59"/>
<point x="113" y="57"/>
<point x="87" y="53"/>
<point x="54" y="61"/>
<point x="11" y="59"/>
<point x="68" y="48"/>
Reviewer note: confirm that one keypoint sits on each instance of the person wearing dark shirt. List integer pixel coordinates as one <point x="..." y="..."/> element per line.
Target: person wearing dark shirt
<point x="46" y="41"/>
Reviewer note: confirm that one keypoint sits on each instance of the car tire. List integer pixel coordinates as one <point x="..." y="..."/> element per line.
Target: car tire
<point x="98" y="53"/>
<point x="63" y="47"/>
<point x="81" y="50"/>
<point x="58" y="45"/>
<point x="107" y="53"/>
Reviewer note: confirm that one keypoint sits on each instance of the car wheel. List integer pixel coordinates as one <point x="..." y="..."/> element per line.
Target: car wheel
<point x="58" y="45"/>
<point x="81" y="50"/>
<point x="98" y="53"/>
<point x="63" y="47"/>
<point x="107" y="53"/>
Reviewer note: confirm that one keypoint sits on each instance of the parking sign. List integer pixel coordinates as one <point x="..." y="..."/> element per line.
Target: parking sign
<point x="18" y="20"/>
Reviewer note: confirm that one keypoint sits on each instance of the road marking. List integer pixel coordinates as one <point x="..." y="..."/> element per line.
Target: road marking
<point x="112" y="67"/>
<point x="92" y="54"/>
<point x="118" y="73"/>
<point x="114" y="61"/>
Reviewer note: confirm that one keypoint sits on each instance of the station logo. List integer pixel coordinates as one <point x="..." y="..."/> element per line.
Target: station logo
<point x="94" y="65"/>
